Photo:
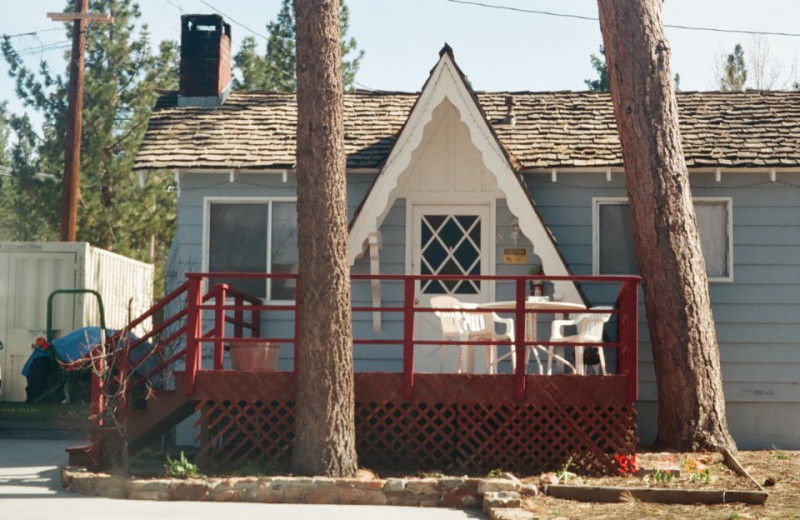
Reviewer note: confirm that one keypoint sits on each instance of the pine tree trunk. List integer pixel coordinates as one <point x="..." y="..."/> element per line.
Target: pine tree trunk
<point x="325" y="430"/>
<point x="691" y="404"/>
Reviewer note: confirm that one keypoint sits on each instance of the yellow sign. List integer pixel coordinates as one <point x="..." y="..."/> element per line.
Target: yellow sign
<point x="515" y="255"/>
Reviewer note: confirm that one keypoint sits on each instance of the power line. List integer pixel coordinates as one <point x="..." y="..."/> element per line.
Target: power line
<point x="231" y="19"/>
<point x="32" y="33"/>
<point x="32" y="51"/>
<point x="277" y="42"/>
<point x="594" y="19"/>
<point x="178" y="7"/>
<point x="363" y="86"/>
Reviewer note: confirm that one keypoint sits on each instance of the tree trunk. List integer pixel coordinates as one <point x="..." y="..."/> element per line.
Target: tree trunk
<point x="325" y="430"/>
<point x="691" y="404"/>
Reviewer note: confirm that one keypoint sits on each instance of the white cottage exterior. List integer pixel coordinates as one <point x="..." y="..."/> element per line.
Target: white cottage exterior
<point x="535" y="177"/>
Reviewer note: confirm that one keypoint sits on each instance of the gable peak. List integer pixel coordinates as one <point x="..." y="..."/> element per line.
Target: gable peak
<point x="447" y="50"/>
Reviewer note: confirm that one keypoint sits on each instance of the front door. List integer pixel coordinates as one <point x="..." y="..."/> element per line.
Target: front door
<point x="448" y="240"/>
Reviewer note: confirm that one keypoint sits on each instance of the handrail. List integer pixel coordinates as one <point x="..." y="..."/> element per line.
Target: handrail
<point x="229" y="306"/>
<point x="217" y="302"/>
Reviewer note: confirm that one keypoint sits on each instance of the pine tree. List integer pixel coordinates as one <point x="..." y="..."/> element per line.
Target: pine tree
<point x="276" y="70"/>
<point x="26" y="210"/>
<point x="324" y="442"/>
<point x="691" y="403"/>
<point x="599" y="65"/>
<point x="734" y="73"/>
<point x="121" y="82"/>
<point x="601" y="84"/>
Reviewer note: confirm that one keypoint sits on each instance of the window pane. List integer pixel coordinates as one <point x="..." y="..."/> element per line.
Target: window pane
<point x="284" y="249"/>
<point x="712" y="224"/>
<point x="617" y="252"/>
<point x="238" y="243"/>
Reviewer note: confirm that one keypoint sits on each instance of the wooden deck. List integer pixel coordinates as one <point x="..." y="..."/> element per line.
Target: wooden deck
<point x="457" y="423"/>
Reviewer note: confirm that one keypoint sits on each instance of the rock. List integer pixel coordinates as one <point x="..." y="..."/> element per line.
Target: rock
<point x="395" y="484"/>
<point x="503" y="499"/>
<point x="424" y="486"/>
<point x="324" y="494"/>
<point x="498" y="484"/>
<point x="529" y="489"/>
<point x="548" y="479"/>
<point x="191" y="490"/>
<point x="511" y="514"/>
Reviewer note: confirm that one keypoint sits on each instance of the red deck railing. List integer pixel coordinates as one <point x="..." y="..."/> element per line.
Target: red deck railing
<point x="223" y="314"/>
<point x="230" y="306"/>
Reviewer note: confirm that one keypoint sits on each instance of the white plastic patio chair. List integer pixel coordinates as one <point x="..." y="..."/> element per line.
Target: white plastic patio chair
<point x="481" y="327"/>
<point x="453" y="326"/>
<point x="589" y="330"/>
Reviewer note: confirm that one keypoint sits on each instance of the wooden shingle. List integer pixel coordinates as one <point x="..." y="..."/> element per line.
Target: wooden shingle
<point x="256" y="130"/>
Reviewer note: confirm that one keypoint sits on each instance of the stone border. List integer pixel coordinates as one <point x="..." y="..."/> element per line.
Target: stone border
<point x="662" y="495"/>
<point x="500" y="497"/>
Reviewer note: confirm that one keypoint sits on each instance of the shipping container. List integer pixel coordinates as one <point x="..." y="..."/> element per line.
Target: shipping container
<point x="31" y="271"/>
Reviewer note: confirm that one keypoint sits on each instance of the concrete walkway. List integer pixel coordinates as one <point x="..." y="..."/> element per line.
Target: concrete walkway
<point x="30" y="489"/>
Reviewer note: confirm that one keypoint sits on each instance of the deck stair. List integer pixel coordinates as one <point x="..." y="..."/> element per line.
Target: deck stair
<point x="164" y="410"/>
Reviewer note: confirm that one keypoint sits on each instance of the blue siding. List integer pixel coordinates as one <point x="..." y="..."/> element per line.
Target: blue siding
<point x="756" y="314"/>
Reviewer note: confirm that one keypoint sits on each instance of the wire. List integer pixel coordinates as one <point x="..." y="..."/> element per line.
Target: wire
<point x="594" y="19"/>
<point x="32" y="33"/>
<point x="363" y="86"/>
<point x="231" y="19"/>
<point x="178" y="7"/>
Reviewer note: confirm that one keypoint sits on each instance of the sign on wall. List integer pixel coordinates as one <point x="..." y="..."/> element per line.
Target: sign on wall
<point x="515" y="255"/>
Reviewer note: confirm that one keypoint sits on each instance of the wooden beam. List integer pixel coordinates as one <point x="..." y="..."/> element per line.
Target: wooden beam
<point x="89" y="17"/>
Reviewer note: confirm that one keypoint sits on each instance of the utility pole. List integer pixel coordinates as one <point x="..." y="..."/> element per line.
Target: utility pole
<point x="72" y="145"/>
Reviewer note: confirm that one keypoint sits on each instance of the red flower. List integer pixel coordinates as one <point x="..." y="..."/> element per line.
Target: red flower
<point x="627" y="463"/>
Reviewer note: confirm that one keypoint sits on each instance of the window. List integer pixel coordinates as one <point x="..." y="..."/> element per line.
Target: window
<point x="253" y="237"/>
<point x="614" y="251"/>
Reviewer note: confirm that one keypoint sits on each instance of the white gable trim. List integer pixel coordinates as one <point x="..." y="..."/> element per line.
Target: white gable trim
<point x="445" y="84"/>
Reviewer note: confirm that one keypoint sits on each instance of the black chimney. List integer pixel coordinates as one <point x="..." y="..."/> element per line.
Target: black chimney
<point x="205" y="59"/>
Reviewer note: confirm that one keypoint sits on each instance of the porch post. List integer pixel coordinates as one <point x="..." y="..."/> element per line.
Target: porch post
<point x="629" y="336"/>
<point x="98" y="361"/>
<point x="408" y="338"/>
<point x="520" y="340"/>
<point x="193" y="330"/>
<point x="221" y="293"/>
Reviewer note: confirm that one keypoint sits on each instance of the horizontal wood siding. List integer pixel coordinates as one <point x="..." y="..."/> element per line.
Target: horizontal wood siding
<point x="187" y="247"/>
<point x="382" y="358"/>
<point x="757" y="314"/>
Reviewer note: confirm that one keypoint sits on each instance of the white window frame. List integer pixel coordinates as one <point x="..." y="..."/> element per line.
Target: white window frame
<point x="208" y="201"/>
<point x="451" y="200"/>
<point x="599" y="201"/>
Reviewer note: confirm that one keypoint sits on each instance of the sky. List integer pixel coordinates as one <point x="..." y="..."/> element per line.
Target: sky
<point x="498" y="49"/>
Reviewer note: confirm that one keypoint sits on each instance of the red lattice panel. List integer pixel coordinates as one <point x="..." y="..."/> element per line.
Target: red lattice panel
<point x="464" y="423"/>
<point x="245" y="418"/>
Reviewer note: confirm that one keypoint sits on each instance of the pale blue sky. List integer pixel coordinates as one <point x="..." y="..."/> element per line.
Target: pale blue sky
<point x="497" y="49"/>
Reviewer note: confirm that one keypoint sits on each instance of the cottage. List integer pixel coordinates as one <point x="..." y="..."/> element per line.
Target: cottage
<point x="451" y="181"/>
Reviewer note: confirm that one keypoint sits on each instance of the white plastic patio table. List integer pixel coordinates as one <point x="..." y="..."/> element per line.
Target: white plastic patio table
<point x="537" y="303"/>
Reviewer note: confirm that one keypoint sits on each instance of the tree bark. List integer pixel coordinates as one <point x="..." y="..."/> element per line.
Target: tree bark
<point x="691" y="403"/>
<point x="325" y="430"/>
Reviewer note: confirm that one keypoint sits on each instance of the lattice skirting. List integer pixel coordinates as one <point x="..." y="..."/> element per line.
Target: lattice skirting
<point x="455" y="423"/>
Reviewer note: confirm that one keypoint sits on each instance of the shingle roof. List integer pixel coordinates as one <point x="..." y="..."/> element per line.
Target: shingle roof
<point x="553" y="129"/>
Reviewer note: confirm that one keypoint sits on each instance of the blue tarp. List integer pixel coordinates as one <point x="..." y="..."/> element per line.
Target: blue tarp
<point x="78" y="343"/>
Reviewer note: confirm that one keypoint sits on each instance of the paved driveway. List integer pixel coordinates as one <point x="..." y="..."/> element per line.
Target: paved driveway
<point x="30" y="490"/>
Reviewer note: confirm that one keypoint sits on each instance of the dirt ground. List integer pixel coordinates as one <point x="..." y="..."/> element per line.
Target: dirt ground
<point x="778" y="471"/>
